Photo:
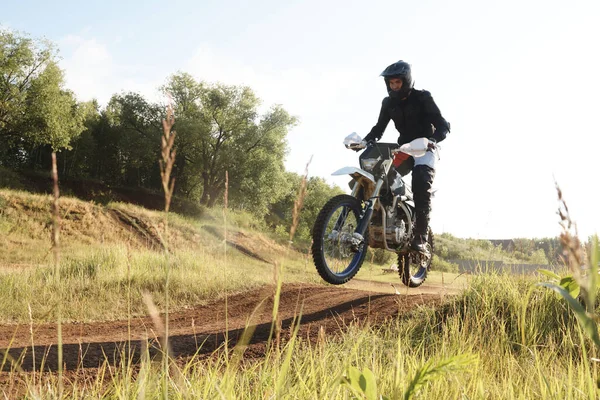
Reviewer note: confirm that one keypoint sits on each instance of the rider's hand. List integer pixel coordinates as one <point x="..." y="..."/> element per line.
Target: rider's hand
<point x="359" y="146"/>
<point x="431" y="145"/>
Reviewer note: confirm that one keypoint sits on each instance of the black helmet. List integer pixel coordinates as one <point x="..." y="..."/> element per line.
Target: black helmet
<point x="399" y="69"/>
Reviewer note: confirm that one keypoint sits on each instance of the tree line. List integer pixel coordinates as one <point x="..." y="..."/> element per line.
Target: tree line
<point x="219" y="129"/>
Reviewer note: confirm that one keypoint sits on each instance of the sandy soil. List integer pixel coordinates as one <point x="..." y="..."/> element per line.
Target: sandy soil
<point x="203" y="329"/>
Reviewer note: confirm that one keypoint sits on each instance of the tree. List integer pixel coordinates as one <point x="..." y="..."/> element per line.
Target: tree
<point x="37" y="114"/>
<point x="257" y="162"/>
<point x="318" y="192"/>
<point x="219" y="129"/>
<point x="21" y="62"/>
<point x="83" y="159"/>
<point x="235" y="142"/>
<point x="127" y="138"/>
<point x="52" y="115"/>
<point x="119" y="143"/>
<point x="185" y="93"/>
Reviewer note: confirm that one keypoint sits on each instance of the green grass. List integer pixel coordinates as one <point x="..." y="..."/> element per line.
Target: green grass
<point x="450" y="247"/>
<point x="101" y="259"/>
<point x="93" y="287"/>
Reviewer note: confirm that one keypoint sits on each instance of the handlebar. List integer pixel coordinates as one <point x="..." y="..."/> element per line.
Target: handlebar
<point x="356" y="146"/>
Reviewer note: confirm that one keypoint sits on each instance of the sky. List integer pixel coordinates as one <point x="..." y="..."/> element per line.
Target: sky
<point x="518" y="80"/>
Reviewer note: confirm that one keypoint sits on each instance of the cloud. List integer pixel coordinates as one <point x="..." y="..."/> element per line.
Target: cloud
<point x="304" y="90"/>
<point x="91" y="71"/>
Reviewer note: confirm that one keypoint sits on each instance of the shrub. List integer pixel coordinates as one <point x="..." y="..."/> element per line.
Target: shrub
<point x="439" y="264"/>
<point x="380" y="256"/>
<point x="10" y="179"/>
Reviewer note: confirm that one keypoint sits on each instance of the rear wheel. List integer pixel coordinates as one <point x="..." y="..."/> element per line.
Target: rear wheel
<point x="413" y="267"/>
<point x="337" y="251"/>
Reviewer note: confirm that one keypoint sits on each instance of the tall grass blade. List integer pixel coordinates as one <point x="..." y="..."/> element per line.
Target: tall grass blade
<point x="283" y="371"/>
<point x="587" y="323"/>
<point x="594" y="260"/>
<point x="524" y="327"/>
<point x="431" y="371"/>
<point x="592" y="388"/>
<point x="549" y="274"/>
<point x="55" y="247"/>
<point x="278" y="269"/>
<point x="168" y="153"/>
<point x="238" y="351"/>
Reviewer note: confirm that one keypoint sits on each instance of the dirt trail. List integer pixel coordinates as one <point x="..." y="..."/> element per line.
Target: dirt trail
<point x="203" y="329"/>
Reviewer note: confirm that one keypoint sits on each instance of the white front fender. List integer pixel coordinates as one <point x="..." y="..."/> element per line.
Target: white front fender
<point x="352" y="171"/>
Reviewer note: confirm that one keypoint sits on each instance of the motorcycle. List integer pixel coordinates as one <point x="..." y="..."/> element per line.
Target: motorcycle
<point x="379" y="213"/>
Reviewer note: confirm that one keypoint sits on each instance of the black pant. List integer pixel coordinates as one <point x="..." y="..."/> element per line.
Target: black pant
<point x="422" y="181"/>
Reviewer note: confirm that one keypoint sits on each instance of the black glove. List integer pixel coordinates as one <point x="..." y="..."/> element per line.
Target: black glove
<point x="431" y="145"/>
<point x="358" y="146"/>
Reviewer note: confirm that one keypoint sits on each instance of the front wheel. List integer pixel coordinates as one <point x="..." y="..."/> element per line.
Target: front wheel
<point x="413" y="267"/>
<point x="337" y="251"/>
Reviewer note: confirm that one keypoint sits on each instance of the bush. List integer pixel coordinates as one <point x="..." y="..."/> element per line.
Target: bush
<point x="380" y="256"/>
<point x="10" y="179"/>
<point x="442" y="250"/>
<point x="539" y="257"/>
<point x="241" y="219"/>
<point x="439" y="264"/>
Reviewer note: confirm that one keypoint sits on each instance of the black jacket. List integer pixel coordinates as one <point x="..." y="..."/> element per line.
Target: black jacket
<point x="414" y="117"/>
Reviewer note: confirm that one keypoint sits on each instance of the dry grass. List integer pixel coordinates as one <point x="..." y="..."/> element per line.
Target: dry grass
<point x="168" y="154"/>
<point x="25" y="227"/>
<point x="56" y="251"/>
<point x="105" y="259"/>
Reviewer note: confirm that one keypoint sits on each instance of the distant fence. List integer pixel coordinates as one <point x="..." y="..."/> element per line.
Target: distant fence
<point x="483" y="266"/>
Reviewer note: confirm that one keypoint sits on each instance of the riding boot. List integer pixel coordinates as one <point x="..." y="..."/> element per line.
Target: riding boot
<point x="419" y="242"/>
<point x="422" y="181"/>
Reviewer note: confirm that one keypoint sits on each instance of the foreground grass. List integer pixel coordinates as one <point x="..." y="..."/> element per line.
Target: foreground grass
<point x="471" y="347"/>
<point x="474" y="346"/>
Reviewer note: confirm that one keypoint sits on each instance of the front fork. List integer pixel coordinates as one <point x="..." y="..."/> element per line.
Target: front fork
<point x="365" y="218"/>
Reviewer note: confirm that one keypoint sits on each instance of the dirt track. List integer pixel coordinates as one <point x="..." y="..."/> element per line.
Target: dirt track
<point x="203" y="329"/>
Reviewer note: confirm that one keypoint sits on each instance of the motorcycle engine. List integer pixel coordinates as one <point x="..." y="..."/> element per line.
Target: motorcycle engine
<point x="395" y="229"/>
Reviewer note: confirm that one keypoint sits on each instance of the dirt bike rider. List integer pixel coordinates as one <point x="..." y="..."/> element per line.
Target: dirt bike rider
<point x="415" y="115"/>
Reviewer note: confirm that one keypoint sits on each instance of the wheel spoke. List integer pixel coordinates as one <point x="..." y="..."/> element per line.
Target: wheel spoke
<point x="413" y="267"/>
<point x="337" y="247"/>
<point x="338" y="253"/>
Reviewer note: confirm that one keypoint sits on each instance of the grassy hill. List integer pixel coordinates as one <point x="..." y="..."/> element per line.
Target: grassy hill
<point x="114" y="247"/>
<point x="448" y="247"/>
<point x="107" y="250"/>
